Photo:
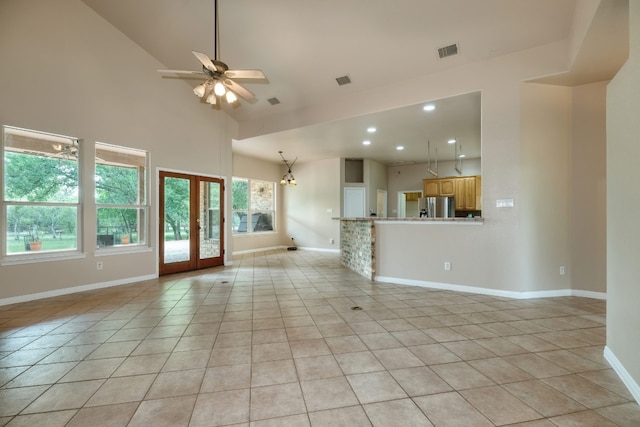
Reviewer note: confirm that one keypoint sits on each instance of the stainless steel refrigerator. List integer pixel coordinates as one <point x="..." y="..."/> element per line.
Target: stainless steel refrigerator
<point x="437" y="207"/>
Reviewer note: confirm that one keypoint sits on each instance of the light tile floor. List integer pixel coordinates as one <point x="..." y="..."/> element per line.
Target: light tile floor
<point x="273" y="341"/>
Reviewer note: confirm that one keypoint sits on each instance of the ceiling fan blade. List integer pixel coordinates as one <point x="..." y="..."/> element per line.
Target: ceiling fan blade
<point x="240" y="90"/>
<point x="245" y="74"/>
<point x="205" y="61"/>
<point x="183" y="72"/>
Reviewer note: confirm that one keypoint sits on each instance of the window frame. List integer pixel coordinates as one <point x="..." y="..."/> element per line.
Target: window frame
<point x="250" y="211"/>
<point x="142" y="206"/>
<point x="58" y="143"/>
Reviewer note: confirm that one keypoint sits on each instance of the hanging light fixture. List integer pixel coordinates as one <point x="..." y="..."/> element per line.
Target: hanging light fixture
<point x="219" y="89"/>
<point x="458" y="156"/>
<point x="199" y="90"/>
<point x="288" y="178"/>
<point x="434" y="171"/>
<point x="231" y="97"/>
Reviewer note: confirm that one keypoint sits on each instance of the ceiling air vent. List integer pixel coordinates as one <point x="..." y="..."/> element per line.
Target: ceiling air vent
<point x="273" y="101"/>
<point x="446" y="51"/>
<point x="344" y="80"/>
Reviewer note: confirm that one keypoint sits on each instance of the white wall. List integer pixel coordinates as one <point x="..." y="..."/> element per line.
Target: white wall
<point x="623" y="205"/>
<point x="311" y="205"/>
<point x="247" y="167"/>
<point x="67" y="71"/>
<point x="588" y="198"/>
<point x="545" y="117"/>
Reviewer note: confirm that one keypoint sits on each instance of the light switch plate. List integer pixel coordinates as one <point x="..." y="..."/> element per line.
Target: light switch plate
<point x="504" y="203"/>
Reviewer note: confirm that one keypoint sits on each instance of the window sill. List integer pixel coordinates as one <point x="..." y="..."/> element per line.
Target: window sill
<point x="119" y="250"/>
<point x="255" y="234"/>
<point x="42" y="257"/>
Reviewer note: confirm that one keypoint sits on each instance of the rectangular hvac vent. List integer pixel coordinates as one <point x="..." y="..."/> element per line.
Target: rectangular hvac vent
<point x="273" y="101"/>
<point x="446" y="51"/>
<point x="344" y="80"/>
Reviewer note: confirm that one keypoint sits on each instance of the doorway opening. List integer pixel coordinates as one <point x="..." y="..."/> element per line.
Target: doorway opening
<point x="408" y="203"/>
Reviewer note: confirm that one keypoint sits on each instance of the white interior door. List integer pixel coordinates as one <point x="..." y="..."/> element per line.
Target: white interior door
<point x="354" y="202"/>
<point x="382" y="203"/>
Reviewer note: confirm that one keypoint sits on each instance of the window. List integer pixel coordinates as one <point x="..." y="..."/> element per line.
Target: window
<point x="40" y="193"/>
<point x="253" y="205"/>
<point x="121" y="195"/>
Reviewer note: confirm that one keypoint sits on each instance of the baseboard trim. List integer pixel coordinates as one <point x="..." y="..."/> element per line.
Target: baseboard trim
<point x="275" y="248"/>
<point x="75" y="289"/>
<point x="333" y="251"/>
<point x="491" y="292"/>
<point x="253" y="251"/>
<point x="624" y="375"/>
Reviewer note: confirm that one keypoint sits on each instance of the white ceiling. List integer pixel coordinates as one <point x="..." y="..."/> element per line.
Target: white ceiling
<point x="410" y="127"/>
<point x="304" y="45"/>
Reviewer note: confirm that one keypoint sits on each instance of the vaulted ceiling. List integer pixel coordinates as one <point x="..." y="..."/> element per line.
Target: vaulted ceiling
<point x="304" y="45"/>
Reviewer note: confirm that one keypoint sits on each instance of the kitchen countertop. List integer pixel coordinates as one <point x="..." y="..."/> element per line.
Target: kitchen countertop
<point x="475" y="220"/>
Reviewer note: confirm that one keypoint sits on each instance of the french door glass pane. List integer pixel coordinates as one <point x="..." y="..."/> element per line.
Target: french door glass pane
<point x="176" y="220"/>
<point x="209" y="219"/>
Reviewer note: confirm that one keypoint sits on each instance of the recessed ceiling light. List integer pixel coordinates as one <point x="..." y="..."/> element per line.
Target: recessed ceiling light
<point x="399" y="148"/>
<point x="452" y="141"/>
<point x="367" y="142"/>
<point x="371" y="129"/>
<point x="429" y="107"/>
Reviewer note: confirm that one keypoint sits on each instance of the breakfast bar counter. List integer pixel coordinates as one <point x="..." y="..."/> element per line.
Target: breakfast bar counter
<point x="358" y="238"/>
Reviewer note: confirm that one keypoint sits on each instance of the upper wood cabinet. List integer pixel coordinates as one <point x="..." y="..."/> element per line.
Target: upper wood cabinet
<point x="468" y="193"/>
<point x="439" y="187"/>
<point x="448" y="186"/>
<point x="431" y="187"/>
<point x="466" y="190"/>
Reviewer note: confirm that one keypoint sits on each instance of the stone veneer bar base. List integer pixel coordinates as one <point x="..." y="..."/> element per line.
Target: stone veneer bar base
<point x="357" y="246"/>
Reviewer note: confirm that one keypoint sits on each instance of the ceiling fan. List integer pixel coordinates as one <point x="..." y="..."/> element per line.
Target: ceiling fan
<point x="220" y="80"/>
<point x="65" y="151"/>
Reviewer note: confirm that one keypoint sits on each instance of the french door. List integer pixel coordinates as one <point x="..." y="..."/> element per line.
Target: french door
<point x="191" y="222"/>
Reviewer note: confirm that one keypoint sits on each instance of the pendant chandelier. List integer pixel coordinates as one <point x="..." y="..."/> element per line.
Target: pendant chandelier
<point x="287" y="178"/>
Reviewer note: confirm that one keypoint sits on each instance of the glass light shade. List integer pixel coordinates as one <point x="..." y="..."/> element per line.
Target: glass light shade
<point x="293" y="182"/>
<point x="219" y="89"/>
<point x="283" y="181"/>
<point x="231" y="97"/>
<point x="211" y="99"/>
<point x="199" y="90"/>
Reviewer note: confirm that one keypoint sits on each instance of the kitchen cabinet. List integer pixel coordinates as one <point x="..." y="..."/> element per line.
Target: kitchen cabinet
<point x="439" y="187"/>
<point x="467" y="195"/>
<point x="431" y="188"/>
<point x="467" y="191"/>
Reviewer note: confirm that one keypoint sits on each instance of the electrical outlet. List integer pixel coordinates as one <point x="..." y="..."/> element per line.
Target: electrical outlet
<point x="447" y="266"/>
<point x="99" y="265"/>
<point x="332" y="241"/>
<point x="562" y="270"/>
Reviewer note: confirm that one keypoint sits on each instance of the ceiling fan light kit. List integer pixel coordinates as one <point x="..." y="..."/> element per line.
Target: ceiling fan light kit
<point x="220" y="79"/>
